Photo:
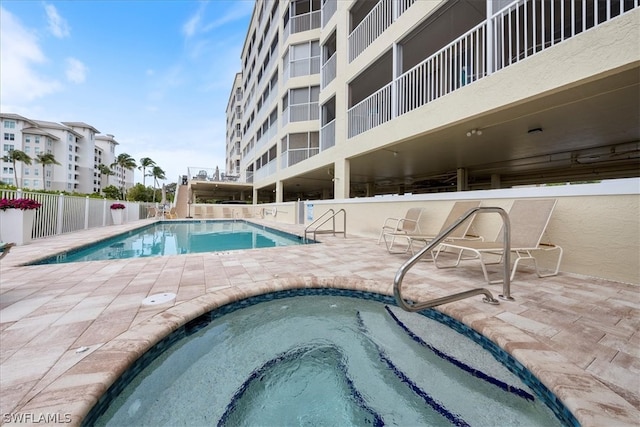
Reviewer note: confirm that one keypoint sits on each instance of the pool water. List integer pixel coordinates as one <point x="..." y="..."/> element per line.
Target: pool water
<point x="325" y="360"/>
<point x="176" y="238"/>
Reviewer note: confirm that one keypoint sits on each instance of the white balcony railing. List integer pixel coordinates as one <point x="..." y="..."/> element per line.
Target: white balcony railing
<point x="266" y="170"/>
<point x="530" y="27"/>
<point x="329" y="71"/>
<point x="374" y="24"/>
<point x="300" y="113"/>
<point x="328" y="135"/>
<point x="371" y="112"/>
<point x="304" y="22"/>
<point x="296" y="155"/>
<point x="329" y="7"/>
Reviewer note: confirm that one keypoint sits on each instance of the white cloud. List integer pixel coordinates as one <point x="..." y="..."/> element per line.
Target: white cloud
<point x="240" y="10"/>
<point x="191" y="26"/>
<point x="76" y="71"/>
<point x="20" y="54"/>
<point x="57" y="24"/>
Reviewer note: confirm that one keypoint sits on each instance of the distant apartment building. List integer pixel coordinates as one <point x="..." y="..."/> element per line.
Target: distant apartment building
<point x="357" y="98"/>
<point x="76" y="146"/>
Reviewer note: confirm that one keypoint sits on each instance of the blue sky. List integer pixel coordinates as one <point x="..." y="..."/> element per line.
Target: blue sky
<point x="155" y="74"/>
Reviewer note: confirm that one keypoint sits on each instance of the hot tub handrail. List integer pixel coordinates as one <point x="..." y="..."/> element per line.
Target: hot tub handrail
<point x="506" y="284"/>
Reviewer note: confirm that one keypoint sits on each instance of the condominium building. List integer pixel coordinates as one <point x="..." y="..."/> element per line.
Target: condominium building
<point x="358" y="98"/>
<point x="77" y="148"/>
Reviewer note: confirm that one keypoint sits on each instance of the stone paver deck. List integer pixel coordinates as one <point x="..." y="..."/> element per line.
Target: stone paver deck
<point x="578" y="335"/>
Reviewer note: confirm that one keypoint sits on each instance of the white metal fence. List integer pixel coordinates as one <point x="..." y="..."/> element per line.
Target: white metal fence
<point x="60" y="213"/>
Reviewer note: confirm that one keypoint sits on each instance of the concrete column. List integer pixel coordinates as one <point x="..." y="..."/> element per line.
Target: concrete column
<point x="495" y="181"/>
<point x="279" y="191"/>
<point x="341" y="179"/>
<point x="463" y="180"/>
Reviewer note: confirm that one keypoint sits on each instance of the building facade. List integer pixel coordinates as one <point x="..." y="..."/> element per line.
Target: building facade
<point x="359" y="98"/>
<point x="78" y="150"/>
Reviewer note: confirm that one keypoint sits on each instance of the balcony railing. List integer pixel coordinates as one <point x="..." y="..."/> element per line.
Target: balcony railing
<point x="522" y="29"/>
<point x="374" y="24"/>
<point x="372" y="112"/>
<point x="300" y="113"/>
<point x="266" y="170"/>
<point x="296" y="155"/>
<point x="328" y="135"/>
<point x="304" y="22"/>
<point x="329" y="7"/>
<point x="329" y="71"/>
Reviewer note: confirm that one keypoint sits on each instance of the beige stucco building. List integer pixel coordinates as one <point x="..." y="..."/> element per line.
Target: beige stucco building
<point x="346" y="99"/>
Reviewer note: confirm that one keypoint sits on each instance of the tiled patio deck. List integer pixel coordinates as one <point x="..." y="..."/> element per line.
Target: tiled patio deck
<point x="578" y="335"/>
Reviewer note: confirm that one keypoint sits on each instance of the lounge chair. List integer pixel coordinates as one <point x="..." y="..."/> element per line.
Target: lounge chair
<point x="153" y="212"/>
<point x="529" y="219"/>
<point x="410" y="223"/>
<point x="5" y="248"/>
<point x="171" y="213"/>
<point x="460" y="233"/>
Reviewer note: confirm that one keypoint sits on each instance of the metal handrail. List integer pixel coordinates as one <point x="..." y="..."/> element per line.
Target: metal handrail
<point x="332" y="217"/>
<point x="506" y="286"/>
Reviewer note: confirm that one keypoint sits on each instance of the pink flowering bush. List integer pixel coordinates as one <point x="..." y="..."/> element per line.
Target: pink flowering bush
<point x="22" y="204"/>
<point x="117" y="206"/>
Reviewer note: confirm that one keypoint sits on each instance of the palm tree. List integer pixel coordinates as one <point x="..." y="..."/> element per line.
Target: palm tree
<point x="126" y="162"/>
<point x="45" y="159"/>
<point x="157" y="173"/>
<point x="106" y="171"/>
<point x="145" y="163"/>
<point x="17" y="156"/>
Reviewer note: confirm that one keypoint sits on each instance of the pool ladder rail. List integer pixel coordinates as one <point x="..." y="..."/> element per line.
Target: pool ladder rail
<point x="329" y="215"/>
<point x="489" y="299"/>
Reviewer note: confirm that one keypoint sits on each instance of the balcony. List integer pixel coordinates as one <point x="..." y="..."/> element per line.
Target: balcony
<point x="293" y="156"/>
<point x="300" y="113"/>
<point x="304" y="22"/>
<point x="522" y="29"/>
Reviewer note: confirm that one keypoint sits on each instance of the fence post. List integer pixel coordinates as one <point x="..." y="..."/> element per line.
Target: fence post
<point x="60" y="213"/>
<point x="104" y="212"/>
<point x="86" y="213"/>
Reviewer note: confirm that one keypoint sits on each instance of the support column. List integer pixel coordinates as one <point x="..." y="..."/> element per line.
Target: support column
<point x="490" y="37"/>
<point x="341" y="179"/>
<point x="279" y="191"/>
<point x="463" y="179"/>
<point x="255" y="195"/>
<point x="495" y="181"/>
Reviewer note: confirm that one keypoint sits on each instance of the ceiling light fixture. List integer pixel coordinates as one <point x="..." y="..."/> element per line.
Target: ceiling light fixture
<point x="474" y="132"/>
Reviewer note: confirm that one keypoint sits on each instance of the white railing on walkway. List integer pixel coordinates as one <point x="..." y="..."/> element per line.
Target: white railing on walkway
<point x="371" y="112"/>
<point x="61" y="213"/>
<point x="532" y="27"/>
<point x="328" y="71"/>
<point x="328" y="135"/>
<point x="300" y="113"/>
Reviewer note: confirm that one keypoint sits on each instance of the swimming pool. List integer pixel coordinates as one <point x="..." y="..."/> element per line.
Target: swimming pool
<point x="323" y="357"/>
<point x="180" y="237"/>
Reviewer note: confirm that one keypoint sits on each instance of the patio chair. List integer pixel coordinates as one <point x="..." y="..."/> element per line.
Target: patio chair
<point x="153" y="212"/>
<point x="529" y="219"/>
<point x="410" y="223"/>
<point x="171" y="213"/>
<point x="5" y="248"/>
<point x="460" y="233"/>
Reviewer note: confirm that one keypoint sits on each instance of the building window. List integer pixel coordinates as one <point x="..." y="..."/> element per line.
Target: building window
<point x="9" y="124"/>
<point x="70" y="158"/>
<point x="36" y="183"/>
<point x="8" y="147"/>
<point x="9" y="137"/>
<point x="37" y="140"/>
<point x="26" y="183"/>
<point x="27" y="139"/>
<point x="27" y="171"/>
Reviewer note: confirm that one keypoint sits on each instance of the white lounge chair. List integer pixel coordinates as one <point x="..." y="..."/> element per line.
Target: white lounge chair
<point x="460" y="233"/>
<point x="529" y="219"/>
<point x="410" y="223"/>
